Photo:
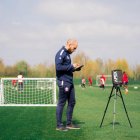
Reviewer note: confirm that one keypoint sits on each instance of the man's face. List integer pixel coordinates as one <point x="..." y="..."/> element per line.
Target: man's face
<point x="72" y="47"/>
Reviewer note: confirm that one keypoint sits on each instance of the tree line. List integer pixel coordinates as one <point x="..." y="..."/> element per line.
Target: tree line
<point x="91" y="68"/>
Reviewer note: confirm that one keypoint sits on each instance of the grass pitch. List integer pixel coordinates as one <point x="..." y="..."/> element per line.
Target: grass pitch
<point x="38" y="123"/>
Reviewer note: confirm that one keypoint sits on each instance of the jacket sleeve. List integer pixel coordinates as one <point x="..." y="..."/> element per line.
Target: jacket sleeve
<point x="61" y="67"/>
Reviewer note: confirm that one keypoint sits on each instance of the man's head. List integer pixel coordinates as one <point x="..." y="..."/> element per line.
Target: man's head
<point x="71" y="45"/>
<point x="20" y="73"/>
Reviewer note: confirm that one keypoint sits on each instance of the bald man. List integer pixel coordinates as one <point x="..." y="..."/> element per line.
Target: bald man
<point x="64" y="74"/>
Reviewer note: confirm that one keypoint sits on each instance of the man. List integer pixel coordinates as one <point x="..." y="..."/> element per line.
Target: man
<point x="90" y="81"/>
<point x="83" y="82"/>
<point x="102" y="81"/>
<point x="20" y="82"/>
<point x="64" y="73"/>
<point x="14" y="83"/>
<point x="125" y="82"/>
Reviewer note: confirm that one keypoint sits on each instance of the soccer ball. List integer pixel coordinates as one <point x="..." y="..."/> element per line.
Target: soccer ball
<point x="135" y="87"/>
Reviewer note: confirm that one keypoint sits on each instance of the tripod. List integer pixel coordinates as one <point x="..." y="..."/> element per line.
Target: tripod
<point x="117" y="89"/>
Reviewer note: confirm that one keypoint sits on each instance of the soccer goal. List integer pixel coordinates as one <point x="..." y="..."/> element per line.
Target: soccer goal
<point x="29" y="92"/>
<point x="108" y="81"/>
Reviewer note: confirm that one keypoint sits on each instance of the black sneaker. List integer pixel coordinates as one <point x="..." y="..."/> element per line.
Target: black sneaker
<point x="72" y="126"/>
<point x="61" y="128"/>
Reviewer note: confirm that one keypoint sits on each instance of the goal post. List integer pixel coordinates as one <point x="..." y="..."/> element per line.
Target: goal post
<point x="1" y="95"/>
<point x="29" y="92"/>
<point x="108" y="81"/>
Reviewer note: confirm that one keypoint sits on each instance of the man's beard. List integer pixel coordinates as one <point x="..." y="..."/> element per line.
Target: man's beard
<point x="69" y="51"/>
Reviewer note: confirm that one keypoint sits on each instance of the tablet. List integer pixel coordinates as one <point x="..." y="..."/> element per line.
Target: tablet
<point x="79" y="67"/>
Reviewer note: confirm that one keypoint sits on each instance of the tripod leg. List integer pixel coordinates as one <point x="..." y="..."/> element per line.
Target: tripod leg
<point x="114" y="111"/>
<point x="125" y="108"/>
<point x="107" y="106"/>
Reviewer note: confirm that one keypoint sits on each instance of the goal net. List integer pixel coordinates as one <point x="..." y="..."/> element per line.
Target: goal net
<point x="28" y="92"/>
<point x="108" y="81"/>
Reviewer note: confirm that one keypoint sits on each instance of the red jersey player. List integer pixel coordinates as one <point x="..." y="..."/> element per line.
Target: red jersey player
<point x="125" y="82"/>
<point x="90" y="81"/>
<point x="14" y="83"/>
<point x="102" y="81"/>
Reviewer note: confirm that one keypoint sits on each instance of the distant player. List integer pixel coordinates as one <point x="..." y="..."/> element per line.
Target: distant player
<point x="14" y="83"/>
<point x="83" y="83"/>
<point x="125" y="82"/>
<point x="89" y="81"/>
<point x="102" y="81"/>
<point x="20" y="81"/>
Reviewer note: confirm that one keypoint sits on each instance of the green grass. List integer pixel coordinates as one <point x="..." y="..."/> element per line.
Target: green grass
<point x="38" y="123"/>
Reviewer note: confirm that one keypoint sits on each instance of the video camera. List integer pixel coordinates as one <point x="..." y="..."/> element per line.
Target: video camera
<point x="117" y="77"/>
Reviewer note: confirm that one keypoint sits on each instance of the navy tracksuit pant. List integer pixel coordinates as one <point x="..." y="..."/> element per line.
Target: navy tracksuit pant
<point x="66" y="93"/>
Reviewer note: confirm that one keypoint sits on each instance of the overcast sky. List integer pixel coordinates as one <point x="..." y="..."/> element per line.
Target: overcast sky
<point x="34" y="30"/>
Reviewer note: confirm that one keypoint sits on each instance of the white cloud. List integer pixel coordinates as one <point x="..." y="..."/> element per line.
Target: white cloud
<point x="95" y="24"/>
<point x="96" y="29"/>
<point x="16" y="23"/>
<point x="35" y="35"/>
<point x="3" y="37"/>
<point x="73" y="10"/>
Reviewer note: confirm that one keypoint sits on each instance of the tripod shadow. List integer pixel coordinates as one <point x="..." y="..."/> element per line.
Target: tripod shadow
<point x="115" y="123"/>
<point x="111" y="123"/>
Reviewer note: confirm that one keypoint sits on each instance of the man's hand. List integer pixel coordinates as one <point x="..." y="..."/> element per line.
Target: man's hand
<point x="77" y="67"/>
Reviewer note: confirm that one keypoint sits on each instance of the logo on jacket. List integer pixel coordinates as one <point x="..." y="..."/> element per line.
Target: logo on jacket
<point x="66" y="89"/>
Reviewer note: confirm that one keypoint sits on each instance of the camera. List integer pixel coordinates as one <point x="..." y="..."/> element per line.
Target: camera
<point x="117" y="77"/>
